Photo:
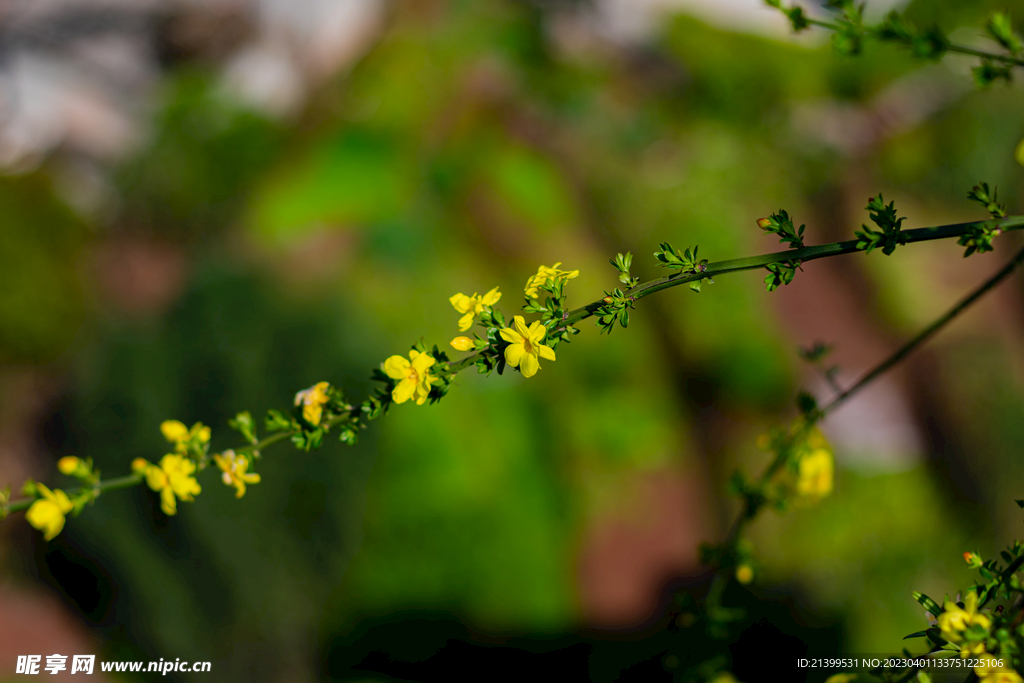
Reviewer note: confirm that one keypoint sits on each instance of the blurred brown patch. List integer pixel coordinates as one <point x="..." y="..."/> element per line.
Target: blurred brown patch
<point x="139" y="276"/>
<point x="629" y="556"/>
<point x="37" y="624"/>
<point x="25" y="396"/>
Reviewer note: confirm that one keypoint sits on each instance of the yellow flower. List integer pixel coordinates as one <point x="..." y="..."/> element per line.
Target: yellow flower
<point x="462" y="343"/>
<point x="724" y="677"/>
<point x="968" y="650"/>
<point x="999" y="673"/>
<point x="955" y="619"/>
<point x="814" y="475"/>
<point x="177" y="433"/>
<point x="172" y="478"/>
<point x="174" y="431"/>
<point x="744" y="573"/>
<point x="234" y="471"/>
<point x="414" y="377"/>
<point x="68" y="464"/>
<point x="473" y="305"/>
<point x="526" y="346"/>
<point x="841" y="678"/>
<point x="313" y="401"/>
<point x="810" y="474"/>
<point x="544" y="273"/>
<point x="47" y="513"/>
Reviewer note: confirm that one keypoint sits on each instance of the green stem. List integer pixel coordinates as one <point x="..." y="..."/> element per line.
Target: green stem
<point x="925" y="334"/>
<point x="100" y="487"/>
<point x="959" y="49"/>
<point x="751" y="507"/>
<point x="638" y="292"/>
<point x="803" y="254"/>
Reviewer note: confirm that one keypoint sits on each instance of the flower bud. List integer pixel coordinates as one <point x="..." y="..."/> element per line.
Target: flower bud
<point x="972" y="559"/>
<point x="139" y="465"/>
<point x="764" y="223"/>
<point x="744" y="573"/>
<point x="68" y="464"/>
<point x="607" y="299"/>
<point x="462" y="343"/>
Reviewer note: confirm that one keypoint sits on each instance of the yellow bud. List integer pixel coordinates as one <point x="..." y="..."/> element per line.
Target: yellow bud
<point x="68" y="464"/>
<point x="139" y="465"/>
<point x="174" y="431"/>
<point x="764" y="223"/>
<point x="462" y="343"/>
<point x="744" y="573"/>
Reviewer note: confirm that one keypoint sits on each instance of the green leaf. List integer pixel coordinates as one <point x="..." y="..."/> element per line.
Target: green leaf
<point x="999" y="29"/>
<point x="277" y="421"/>
<point x="927" y="603"/>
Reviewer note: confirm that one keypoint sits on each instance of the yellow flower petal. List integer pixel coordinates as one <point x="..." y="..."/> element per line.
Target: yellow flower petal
<point x="68" y="464"/>
<point x="546" y="351"/>
<point x="201" y="431"/>
<point x="174" y="431"/>
<point x="46" y="516"/>
<point x="514" y="354"/>
<point x="491" y="297"/>
<point x="311" y="413"/>
<point x="536" y="332"/>
<point x="511" y="336"/>
<point x="520" y="326"/>
<point x="167" y="501"/>
<point x="396" y="367"/>
<point x="466" y="322"/>
<point x="815" y="473"/>
<point x="461" y="302"/>
<point x="403" y="391"/>
<point x="156" y="478"/>
<point x="528" y="365"/>
<point x="421" y="361"/>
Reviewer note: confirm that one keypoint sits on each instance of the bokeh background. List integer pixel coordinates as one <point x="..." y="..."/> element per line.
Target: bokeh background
<point x="207" y="206"/>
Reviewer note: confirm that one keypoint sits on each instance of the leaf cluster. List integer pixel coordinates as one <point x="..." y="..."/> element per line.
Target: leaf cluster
<point x="930" y="43"/>
<point x="615" y="308"/>
<point x="979" y="236"/>
<point x="795" y="14"/>
<point x="782" y="225"/>
<point x="336" y="413"/>
<point x="850" y="32"/>
<point x="554" y="312"/>
<point x="781" y="273"/>
<point x="999" y="29"/>
<point x="622" y="264"/>
<point x="889" y="235"/>
<point x="685" y="261"/>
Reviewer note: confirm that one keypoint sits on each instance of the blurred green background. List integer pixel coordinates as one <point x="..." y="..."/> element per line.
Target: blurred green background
<point x="237" y="253"/>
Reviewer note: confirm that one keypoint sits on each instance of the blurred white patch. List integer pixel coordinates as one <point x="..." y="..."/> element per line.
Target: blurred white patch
<point x="266" y="77"/>
<point x="875" y="430"/>
<point x="855" y="128"/>
<point x="633" y="21"/>
<point x="328" y="34"/>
